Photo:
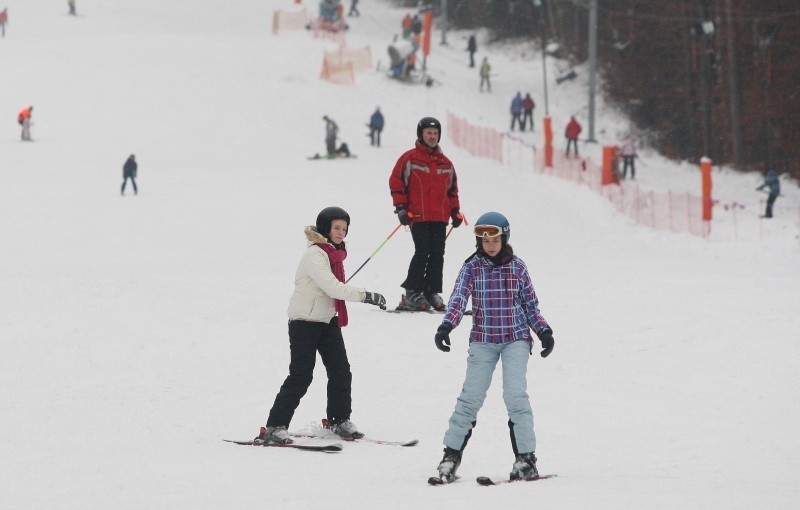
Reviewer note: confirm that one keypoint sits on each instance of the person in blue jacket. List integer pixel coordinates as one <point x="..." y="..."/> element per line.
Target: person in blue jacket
<point x="504" y="310"/>
<point x="774" y="184"/>
<point x="375" y="127"/>
<point x="516" y="112"/>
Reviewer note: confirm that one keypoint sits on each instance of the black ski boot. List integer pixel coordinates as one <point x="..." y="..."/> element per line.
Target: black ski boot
<point x="524" y="467"/>
<point x="449" y="465"/>
<point x="413" y="301"/>
<point x="436" y="301"/>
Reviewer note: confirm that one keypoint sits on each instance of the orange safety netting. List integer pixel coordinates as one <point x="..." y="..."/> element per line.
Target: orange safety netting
<point x="661" y="211"/>
<point x="289" y="20"/>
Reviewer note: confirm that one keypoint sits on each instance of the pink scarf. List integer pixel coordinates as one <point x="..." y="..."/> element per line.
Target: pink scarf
<point x="337" y="258"/>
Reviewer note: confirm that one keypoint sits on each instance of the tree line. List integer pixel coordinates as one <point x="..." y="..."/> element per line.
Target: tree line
<point x="716" y="78"/>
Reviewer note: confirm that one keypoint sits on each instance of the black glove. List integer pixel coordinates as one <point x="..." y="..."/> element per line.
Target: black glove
<point x="402" y="214"/>
<point x="548" y="342"/>
<point x="373" y="298"/>
<point x="442" y="337"/>
<point x="457" y="218"/>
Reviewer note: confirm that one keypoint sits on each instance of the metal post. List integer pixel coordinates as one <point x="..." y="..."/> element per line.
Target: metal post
<point x="538" y="4"/>
<point x="444" y="22"/>
<point x="592" y="65"/>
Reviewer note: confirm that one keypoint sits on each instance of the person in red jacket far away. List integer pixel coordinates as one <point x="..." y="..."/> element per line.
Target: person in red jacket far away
<point x="424" y="191"/>
<point x="572" y="132"/>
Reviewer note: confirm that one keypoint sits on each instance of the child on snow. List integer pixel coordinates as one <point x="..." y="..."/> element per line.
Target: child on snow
<point x="504" y="306"/>
<point x="317" y="312"/>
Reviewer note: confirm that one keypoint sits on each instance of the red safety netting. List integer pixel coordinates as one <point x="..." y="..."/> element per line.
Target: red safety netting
<point x="662" y="211"/>
<point x="289" y="20"/>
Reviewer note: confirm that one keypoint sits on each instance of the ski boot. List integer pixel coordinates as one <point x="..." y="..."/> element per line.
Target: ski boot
<point x="449" y="465"/>
<point x="413" y="301"/>
<point x="278" y="435"/>
<point x="346" y="429"/>
<point x="524" y="467"/>
<point x="436" y="301"/>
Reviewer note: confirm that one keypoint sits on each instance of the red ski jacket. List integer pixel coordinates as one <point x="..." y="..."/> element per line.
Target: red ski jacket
<point x="573" y="129"/>
<point x="425" y="181"/>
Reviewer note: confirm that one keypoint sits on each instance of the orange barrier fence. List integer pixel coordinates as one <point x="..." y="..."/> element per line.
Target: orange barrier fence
<point x="661" y="211"/>
<point x="289" y="20"/>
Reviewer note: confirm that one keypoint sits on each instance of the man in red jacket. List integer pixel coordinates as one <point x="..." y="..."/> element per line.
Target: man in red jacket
<point x="424" y="192"/>
<point x="573" y="130"/>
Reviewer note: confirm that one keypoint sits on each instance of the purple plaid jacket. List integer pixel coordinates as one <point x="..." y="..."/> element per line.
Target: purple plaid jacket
<point x="504" y="303"/>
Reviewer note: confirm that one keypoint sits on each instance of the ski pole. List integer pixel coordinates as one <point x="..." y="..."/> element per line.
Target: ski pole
<point x="374" y="252"/>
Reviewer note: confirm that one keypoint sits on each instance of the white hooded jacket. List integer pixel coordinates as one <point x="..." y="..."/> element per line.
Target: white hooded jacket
<point x="315" y="285"/>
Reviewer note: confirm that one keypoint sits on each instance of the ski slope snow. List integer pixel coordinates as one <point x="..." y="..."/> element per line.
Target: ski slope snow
<point x="137" y="332"/>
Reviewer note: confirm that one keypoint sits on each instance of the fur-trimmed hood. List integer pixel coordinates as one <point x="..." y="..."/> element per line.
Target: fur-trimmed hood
<point x="314" y="237"/>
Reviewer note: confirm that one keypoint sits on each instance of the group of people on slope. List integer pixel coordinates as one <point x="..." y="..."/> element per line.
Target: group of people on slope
<point x="424" y="190"/>
<point x="522" y="111"/>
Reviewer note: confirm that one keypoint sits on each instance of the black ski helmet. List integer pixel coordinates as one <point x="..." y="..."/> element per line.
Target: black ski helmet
<point x="428" y="122"/>
<point x="327" y="215"/>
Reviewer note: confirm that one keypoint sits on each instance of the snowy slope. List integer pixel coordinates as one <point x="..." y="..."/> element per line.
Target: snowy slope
<point x="137" y="332"/>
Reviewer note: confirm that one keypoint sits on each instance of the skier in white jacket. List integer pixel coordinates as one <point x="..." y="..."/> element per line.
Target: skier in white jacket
<point x="317" y="314"/>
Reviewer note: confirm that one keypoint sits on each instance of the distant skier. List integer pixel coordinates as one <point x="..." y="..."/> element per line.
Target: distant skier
<point x="416" y="25"/>
<point x="317" y="313"/>
<point x="24" y="119"/>
<point x="527" y="111"/>
<point x="424" y="191"/>
<point x="331" y="133"/>
<point x="343" y="151"/>
<point x="774" y="184"/>
<point x="71" y="4"/>
<point x="375" y="127"/>
<point x="505" y="308"/>
<point x="628" y="151"/>
<point x="129" y="170"/>
<point x="353" y="8"/>
<point x="472" y="47"/>
<point x="516" y="112"/>
<point x="572" y="132"/>
<point x="406" y="24"/>
<point x="3" y="21"/>
<point x="484" y="74"/>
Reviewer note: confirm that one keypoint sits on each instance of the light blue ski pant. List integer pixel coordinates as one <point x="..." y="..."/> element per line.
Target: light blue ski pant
<point x="481" y="362"/>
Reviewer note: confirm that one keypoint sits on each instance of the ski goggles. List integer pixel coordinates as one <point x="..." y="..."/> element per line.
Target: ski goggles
<point x="487" y="231"/>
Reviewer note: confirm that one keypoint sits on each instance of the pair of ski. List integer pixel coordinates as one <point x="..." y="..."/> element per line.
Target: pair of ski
<point x="429" y="311"/>
<point x="328" y="448"/>
<point x="486" y="481"/>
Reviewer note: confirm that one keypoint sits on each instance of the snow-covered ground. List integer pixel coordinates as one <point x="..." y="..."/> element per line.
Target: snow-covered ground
<point x="137" y="332"/>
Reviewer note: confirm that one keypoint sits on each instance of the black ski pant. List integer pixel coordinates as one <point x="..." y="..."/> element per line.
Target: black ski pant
<point x="375" y="136"/>
<point x="425" y="270"/>
<point x="770" y="202"/>
<point x="574" y="143"/>
<point x="125" y="181"/>
<point x="305" y="339"/>
<point x="527" y="116"/>
<point x="627" y="161"/>
<point x="516" y="117"/>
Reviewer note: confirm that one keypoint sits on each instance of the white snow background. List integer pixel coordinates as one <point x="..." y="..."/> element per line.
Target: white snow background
<point x="138" y="332"/>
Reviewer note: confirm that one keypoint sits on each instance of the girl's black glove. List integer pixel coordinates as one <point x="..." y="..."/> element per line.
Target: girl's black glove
<point x="442" y="337"/>
<point x="548" y="342"/>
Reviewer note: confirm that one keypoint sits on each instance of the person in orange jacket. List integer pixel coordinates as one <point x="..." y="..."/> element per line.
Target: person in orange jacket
<point x="406" y="25"/>
<point x="24" y="119"/>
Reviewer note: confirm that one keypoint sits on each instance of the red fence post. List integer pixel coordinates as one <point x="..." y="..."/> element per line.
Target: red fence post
<point x="705" y="168"/>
